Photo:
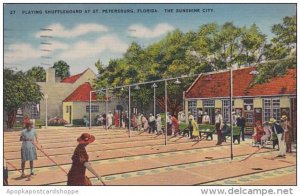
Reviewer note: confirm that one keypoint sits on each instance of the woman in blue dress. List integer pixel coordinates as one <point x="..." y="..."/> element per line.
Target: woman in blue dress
<point x="28" y="150"/>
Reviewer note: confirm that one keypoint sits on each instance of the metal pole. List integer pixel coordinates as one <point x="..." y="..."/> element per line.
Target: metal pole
<point x="166" y="111"/>
<point x="231" y="123"/>
<point x="154" y="104"/>
<point x="129" y="111"/>
<point x="106" y="108"/>
<point x="90" y="111"/>
<point x="46" y="118"/>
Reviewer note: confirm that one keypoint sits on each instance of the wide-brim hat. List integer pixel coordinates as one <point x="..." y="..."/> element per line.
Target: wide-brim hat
<point x="272" y="120"/>
<point x="284" y="117"/>
<point x="86" y="138"/>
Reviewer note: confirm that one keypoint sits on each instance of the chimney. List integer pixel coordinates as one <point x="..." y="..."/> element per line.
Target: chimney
<point x="50" y="75"/>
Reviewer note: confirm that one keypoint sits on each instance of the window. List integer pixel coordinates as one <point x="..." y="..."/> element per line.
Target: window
<point x="34" y="111"/>
<point x="248" y="111"/>
<point x="226" y="110"/>
<point x="209" y="108"/>
<point x="192" y="107"/>
<point x="209" y="103"/>
<point x="95" y="108"/>
<point x="271" y="109"/>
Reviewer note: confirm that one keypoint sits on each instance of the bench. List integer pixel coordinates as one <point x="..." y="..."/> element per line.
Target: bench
<point x="206" y="131"/>
<point x="226" y="133"/>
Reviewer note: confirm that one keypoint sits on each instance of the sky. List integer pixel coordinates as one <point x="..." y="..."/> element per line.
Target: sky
<point x="35" y="36"/>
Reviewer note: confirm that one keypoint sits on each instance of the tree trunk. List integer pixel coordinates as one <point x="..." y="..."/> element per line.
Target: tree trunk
<point x="11" y="118"/>
<point x="174" y="106"/>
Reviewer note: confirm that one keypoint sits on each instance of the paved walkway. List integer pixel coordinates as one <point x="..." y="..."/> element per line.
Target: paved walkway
<point x="143" y="159"/>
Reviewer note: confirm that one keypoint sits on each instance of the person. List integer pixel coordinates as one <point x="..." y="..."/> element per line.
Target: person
<point x="145" y="123"/>
<point x="258" y="133"/>
<point x="109" y="120"/>
<point x="241" y="122"/>
<point x="195" y="132"/>
<point x="175" y="125"/>
<point x="219" y="126"/>
<point x="158" y="124"/>
<point x="26" y="120"/>
<point x="205" y="119"/>
<point x="234" y="118"/>
<point x="287" y="133"/>
<point x="278" y="130"/>
<point x="5" y="173"/>
<point x="191" y="117"/>
<point x="133" y="122"/>
<point x="181" y="116"/>
<point x="104" y="121"/>
<point x="80" y="162"/>
<point x="267" y="134"/>
<point x="139" y="122"/>
<point x="126" y="119"/>
<point x="98" y="120"/>
<point x="169" y="124"/>
<point x="117" y="119"/>
<point x="151" y="123"/>
<point x="86" y="121"/>
<point x="101" y="120"/>
<point x="28" y="149"/>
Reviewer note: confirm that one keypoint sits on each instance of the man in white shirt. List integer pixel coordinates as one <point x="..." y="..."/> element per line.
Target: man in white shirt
<point x="109" y="120"/>
<point x="158" y="124"/>
<point x="205" y="119"/>
<point x="219" y="125"/>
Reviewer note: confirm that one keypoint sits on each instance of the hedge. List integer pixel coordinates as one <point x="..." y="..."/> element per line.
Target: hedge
<point x="77" y="122"/>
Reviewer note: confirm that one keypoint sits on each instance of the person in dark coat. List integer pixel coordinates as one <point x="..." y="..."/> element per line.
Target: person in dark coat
<point x="219" y="126"/>
<point x="5" y="174"/>
<point x="80" y="162"/>
<point x="241" y="122"/>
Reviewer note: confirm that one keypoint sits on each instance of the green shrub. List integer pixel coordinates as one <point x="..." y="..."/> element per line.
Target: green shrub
<point x="78" y="122"/>
<point x="205" y="126"/>
<point x="183" y="125"/>
<point x="39" y="122"/>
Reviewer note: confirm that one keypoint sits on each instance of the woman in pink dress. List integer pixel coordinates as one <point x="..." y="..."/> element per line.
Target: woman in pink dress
<point x="133" y="121"/>
<point x="117" y="119"/>
<point x="175" y="125"/>
<point x="258" y="133"/>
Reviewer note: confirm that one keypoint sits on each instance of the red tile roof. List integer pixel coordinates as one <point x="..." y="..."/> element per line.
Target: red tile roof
<point x="82" y="93"/>
<point x="217" y="85"/>
<point x="73" y="78"/>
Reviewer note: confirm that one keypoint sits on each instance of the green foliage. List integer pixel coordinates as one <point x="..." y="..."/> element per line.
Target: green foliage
<point x="19" y="90"/>
<point x="78" y="122"/>
<point x="183" y="125"/>
<point x="280" y="53"/>
<point x="100" y="67"/>
<point x="286" y="32"/>
<point x="212" y="47"/>
<point x="62" y="69"/>
<point x="38" y="74"/>
<point x="272" y="69"/>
